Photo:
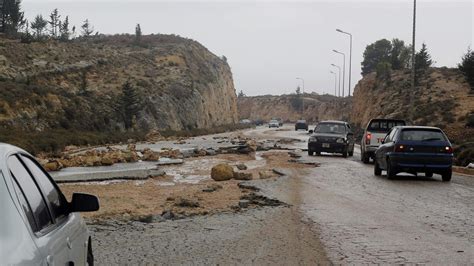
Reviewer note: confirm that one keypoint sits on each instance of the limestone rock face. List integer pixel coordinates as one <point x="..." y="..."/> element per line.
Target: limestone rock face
<point x="77" y="85"/>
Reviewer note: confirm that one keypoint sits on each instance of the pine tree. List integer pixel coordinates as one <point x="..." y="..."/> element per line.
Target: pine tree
<point x="298" y="90"/>
<point x="64" y="32"/>
<point x="422" y="62"/>
<point x="138" y="33"/>
<point x="129" y="104"/>
<point x="87" y="29"/>
<point x="38" y="26"/>
<point x="11" y="17"/>
<point x="467" y="67"/>
<point x="54" y="23"/>
<point x="241" y="94"/>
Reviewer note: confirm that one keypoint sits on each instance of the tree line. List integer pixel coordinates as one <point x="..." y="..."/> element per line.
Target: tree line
<point x="13" y="24"/>
<point x="383" y="56"/>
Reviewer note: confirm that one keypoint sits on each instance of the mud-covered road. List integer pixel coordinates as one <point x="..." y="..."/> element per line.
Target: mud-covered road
<point x="338" y="212"/>
<point x="367" y="219"/>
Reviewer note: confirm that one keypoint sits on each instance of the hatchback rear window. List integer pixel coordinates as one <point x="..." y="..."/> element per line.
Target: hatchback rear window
<point x="384" y="125"/>
<point x="422" y="135"/>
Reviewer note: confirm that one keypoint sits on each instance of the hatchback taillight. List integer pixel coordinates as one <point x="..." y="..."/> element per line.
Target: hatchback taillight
<point x="368" y="137"/>
<point x="399" y="148"/>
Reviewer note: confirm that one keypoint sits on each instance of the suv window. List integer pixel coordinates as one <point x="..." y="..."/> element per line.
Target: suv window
<point x="31" y="193"/>
<point x="25" y="206"/>
<point x="384" y="125"/>
<point x="57" y="201"/>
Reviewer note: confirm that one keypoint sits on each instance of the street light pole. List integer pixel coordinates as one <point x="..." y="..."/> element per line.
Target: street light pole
<point x="350" y="57"/>
<point x="339" y="68"/>
<point x="343" y="70"/>
<point x="413" y="59"/>
<point x="335" y="83"/>
<point x="302" y="99"/>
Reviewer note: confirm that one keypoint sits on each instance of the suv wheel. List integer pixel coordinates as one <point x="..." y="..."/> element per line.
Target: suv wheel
<point x="377" y="170"/>
<point x="364" y="157"/>
<point x="351" y="153"/>
<point x="446" y="176"/>
<point x="344" y="154"/>
<point x="310" y="152"/>
<point x="90" y="255"/>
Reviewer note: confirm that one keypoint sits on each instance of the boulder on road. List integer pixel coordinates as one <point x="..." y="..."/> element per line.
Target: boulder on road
<point x="53" y="166"/>
<point x="241" y="166"/>
<point x="222" y="172"/>
<point x="243" y="176"/>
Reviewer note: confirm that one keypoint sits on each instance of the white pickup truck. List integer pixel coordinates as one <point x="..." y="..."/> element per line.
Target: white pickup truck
<point x="374" y="134"/>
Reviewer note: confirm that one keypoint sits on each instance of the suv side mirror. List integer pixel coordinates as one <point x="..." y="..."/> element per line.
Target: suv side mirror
<point x="311" y="131"/>
<point x="382" y="141"/>
<point x="84" y="203"/>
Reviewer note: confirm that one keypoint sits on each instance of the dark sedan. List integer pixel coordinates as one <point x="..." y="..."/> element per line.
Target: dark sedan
<point x="414" y="149"/>
<point x="332" y="137"/>
<point x="301" y="124"/>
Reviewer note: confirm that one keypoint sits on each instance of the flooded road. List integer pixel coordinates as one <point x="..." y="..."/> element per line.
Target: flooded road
<point x="367" y="219"/>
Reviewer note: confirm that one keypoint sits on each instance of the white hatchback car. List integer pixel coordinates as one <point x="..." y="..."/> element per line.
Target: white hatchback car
<point x="38" y="226"/>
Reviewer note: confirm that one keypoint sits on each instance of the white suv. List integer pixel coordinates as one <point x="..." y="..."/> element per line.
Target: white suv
<point x="374" y="134"/>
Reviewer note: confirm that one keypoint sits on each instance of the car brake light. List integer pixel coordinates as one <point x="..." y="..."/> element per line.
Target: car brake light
<point x="368" y="137"/>
<point x="448" y="149"/>
<point x="399" y="148"/>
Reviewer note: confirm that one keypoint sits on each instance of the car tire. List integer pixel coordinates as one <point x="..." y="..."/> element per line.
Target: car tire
<point x="318" y="153"/>
<point x="344" y="154"/>
<point x="365" y="158"/>
<point x="351" y="153"/>
<point x="377" y="170"/>
<point x="390" y="171"/>
<point x="310" y="152"/>
<point x="90" y="254"/>
<point x="446" y="176"/>
<point x="429" y="174"/>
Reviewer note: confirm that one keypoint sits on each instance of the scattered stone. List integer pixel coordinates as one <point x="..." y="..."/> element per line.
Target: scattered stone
<point x="211" y="152"/>
<point x="53" y="166"/>
<point x="244" y="203"/>
<point x="280" y="172"/>
<point x="241" y="166"/>
<point x="265" y="174"/>
<point x="187" y="203"/>
<point x="146" y="219"/>
<point x="168" y="215"/>
<point x="260" y="200"/>
<point x="470" y="165"/>
<point x="247" y="185"/>
<point x="222" y="172"/>
<point x="295" y="153"/>
<point x="70" y="148"/>
<point x="107" y="161"/>
<point x="212" y="188"/>
<point x="153" y="136"/>
<point x="149" y="155"/>
<point x="167" y="161"/>
<point x="243" y="176"/>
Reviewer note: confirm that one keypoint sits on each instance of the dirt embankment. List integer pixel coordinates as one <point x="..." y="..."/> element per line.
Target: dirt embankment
<point x="442" y="98"/>
<point x="290" y="107"/>
<point x="77" y="86"/>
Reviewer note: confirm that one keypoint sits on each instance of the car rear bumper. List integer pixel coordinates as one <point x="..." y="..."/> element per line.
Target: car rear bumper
<point x="333" y="147"/>
<point x="424" y="162"/>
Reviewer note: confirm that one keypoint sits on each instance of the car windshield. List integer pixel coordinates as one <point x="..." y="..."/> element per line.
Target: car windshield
<point x="330" y="128"/>
<point x="384" y="125"/>
<point x="422" y="135"/>
<point x="273" y="121"/>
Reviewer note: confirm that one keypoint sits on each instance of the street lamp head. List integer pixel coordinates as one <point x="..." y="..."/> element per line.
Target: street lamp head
<point x="339" y="30"/>
<point x="334" y="50"/>
<point x="333" y="65"/>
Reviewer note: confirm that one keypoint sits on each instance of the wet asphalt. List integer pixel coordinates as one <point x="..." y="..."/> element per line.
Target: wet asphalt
<point x="364" y="219"/>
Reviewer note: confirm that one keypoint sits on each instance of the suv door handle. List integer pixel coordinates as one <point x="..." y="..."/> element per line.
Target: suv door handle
<point x="68" y="242"/>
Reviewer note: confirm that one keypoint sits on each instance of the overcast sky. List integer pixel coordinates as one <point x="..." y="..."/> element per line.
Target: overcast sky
<point x="268" y="44"/>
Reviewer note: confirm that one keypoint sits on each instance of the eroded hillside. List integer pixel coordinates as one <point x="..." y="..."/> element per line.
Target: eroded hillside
<point x="289" y="107"/>
<point x="77" y="86"/>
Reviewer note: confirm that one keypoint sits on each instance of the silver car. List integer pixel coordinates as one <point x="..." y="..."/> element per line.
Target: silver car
<point x="37" y="225"/>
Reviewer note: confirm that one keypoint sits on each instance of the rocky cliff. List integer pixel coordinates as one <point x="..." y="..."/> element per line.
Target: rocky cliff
<point x="442" y="98"/>
<point x="77" y="86"/>
<point x="289" y="107"/>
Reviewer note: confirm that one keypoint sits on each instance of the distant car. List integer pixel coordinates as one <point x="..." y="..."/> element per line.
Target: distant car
<point x="280" y="121"/>
<point x="273" y="123"/>
<point x="258" y="122"/>
<point x="332" y="137"/>
<point x="301" y="124"/>
<point x="246" y="121"/>
<point x="38" y="225"/>
<point x="374" y="133"/>
<point x="415" y="149"/>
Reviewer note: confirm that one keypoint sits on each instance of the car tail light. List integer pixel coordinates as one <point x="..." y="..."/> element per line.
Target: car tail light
<point x="368" y="137"/>
<point x="448" y="149"/>
<point x="399" y="148"/>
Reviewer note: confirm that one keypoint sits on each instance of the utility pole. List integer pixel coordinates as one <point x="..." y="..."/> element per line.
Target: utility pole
<point x="413" y="55"/>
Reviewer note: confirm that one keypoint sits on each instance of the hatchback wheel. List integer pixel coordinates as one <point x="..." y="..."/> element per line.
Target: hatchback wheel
<point x="377" y="170"/>
<point x="429" y="174"/>
<point x="310" y="152"/>
<point x="364" y="157"/>
<point x="390" y="171"/>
